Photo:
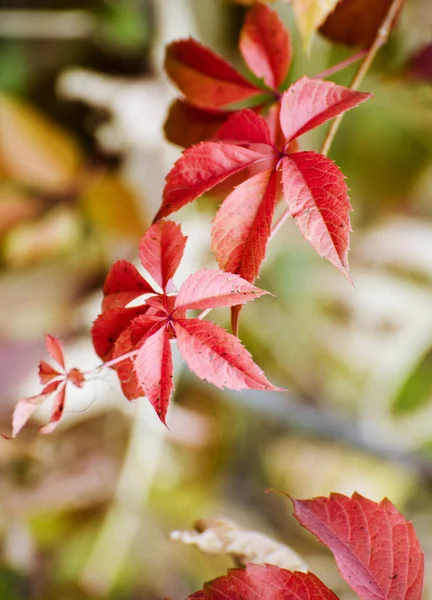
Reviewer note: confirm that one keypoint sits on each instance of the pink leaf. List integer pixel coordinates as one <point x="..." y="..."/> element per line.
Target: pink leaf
<point x="154" y="368"/>
<point x="218" y="357"/>
<point x="316" y="194"/>
<point x="242" y="226"/>
<point x="201" y="168"/>
<point x="46" y="372"/>
<point x="264" y="582"/>
<point x="24" y="410"/>
<point x="245" y="126"/>
<point x="161" y="250"/>
<point x="205" y="78"/>
<point x="265" y="45"/>
<point x="376" y="549"/>
<point x="309" y="103"/>
<point x="55" y="349"/>
<point x="215" y="289"/>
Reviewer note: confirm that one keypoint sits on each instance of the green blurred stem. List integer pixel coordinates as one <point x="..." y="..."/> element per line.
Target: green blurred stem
<point x="380" y="40"/>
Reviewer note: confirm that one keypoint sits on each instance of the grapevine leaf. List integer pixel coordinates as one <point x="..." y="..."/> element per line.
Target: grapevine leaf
<point x="205" y="78"/>
<point x="187" y="125"/>
<point x="245" y="125"/>
<point x="242" y="226"/>
<point x="264" y="582"/>
<point x="376" y="549"/>
<point x="316" y="194"/>
<point x="215" y="289"/>
<point x="161" y="250"/>
<point x="154" y="367"/>
<point x="265" y="45"/>
<point x="201" y="168"/>
<point x="309" y="103"/>
<point x="218" y="357"/>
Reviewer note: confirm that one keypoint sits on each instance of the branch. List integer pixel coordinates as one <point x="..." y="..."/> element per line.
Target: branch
<point x="380" y="40"/>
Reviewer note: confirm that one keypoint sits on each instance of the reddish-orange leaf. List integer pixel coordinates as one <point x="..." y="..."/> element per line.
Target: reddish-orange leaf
<point x="122" y="285"/>
<point x="161" y="250"/>
<point x="154" y="369"/>
<point x="264" y="582"/>
<point x="242" y="226"/>
<point x="215" y="289"/>
<point x="317" y="196"/>
<point x="218" y="357"/>
<point x="376" y="549"/>
<point x="205" y="78"/>
<point x="46" y="372"/>
<point x="309" y="103"/>
<point x="57" y="409"/>
<point x="187" y="125"/>
<point x="199" y="169"/>
<point x="109" y="325"/>
<point x="125" y="368"/>
<point x="265" y="45"/>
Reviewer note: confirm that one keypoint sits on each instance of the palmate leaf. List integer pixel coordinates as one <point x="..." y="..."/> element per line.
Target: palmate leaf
<point x="264" y="582"/>
<point x="375" y="547"/>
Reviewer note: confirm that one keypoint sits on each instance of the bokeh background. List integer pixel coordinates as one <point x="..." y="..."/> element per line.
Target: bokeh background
<point x="86" y="512"/>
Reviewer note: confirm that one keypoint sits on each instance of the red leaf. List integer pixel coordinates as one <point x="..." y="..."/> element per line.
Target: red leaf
<point x="215" y="289"/>
<point x="265" y="45"/>
<point x="57" y="409"/>
<point x="316" y="194"/>
<point x="309" y="103"/>
<point x="218" y="357"/>
<point x="55" y="349"/>
<point x="264" y="582"/>
<point x="242" y="226"/>
<point x="46" y="372"/>
<point x="109" y="325"/>
<point x="154" y="368"/>
<point x="245" y="126"/>
<point x="122" y="285"/>
<point x="125" y="369"/>
<point x="187" y="125"/>
<point x="205" y="78"/>
<point x="201" y="168"/>
<point x="161" y="250"/>
<point x="376" y="549"/>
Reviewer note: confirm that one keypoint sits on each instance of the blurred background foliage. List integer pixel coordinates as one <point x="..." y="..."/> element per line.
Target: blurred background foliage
<point x="86" y="513"/>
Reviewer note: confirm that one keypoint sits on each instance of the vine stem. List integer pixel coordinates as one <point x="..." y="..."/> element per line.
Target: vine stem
<point x="380" y="39"/>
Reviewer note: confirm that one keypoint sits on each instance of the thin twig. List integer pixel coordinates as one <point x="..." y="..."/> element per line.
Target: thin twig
<point x="341" y="65"/>
<point x="381" y="38"/>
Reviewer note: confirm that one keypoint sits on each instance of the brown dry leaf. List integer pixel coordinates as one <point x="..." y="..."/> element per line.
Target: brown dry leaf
<point x="33" y="150"/>
<point x="356" y="22"/>
<point x="223" y="536"/>
<point x="112" y="206"/>
<point x="310" y="15"/>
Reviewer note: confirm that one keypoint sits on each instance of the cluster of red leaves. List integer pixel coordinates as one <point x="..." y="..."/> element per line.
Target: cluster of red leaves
<point x="211" y="85"/>
<point x="54" y="381"/>
<point x="376" y="550"/>
<point x="144" y="332"/>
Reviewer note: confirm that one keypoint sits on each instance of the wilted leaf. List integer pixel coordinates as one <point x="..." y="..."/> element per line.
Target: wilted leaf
<point x="223" y="536"/>
<point x="112" y="206"/>
<point x="356" y="22"/>
<point x="375" y="547"/>
<point x="310" y="15"/>
<point x="33" y="150"/>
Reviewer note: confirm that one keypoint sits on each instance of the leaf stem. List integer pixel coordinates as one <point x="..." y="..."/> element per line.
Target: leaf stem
<point x="380" y="39"/>
<point x="341" y="65"/>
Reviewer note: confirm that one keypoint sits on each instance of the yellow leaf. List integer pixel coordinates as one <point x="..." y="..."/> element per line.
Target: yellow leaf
<point x="310" y="15"/>
<point x="112" y="206"/>
<point x="33" y="150"/>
